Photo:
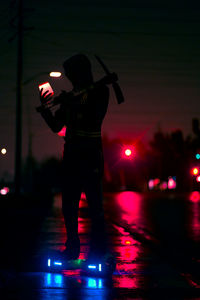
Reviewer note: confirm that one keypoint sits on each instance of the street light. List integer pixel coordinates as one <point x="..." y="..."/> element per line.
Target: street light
<point x="3" y="151"/>
<point x="55" y="74"/>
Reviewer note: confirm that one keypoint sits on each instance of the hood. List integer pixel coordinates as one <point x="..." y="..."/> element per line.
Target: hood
<point x="78" y="70"/>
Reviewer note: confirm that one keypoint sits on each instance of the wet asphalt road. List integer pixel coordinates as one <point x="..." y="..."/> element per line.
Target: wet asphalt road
<point x="155" y="238"/>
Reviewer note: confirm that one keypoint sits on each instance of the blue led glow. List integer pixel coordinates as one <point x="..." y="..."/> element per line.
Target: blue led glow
<point x="49" y="262"/>
<point x="95" y="283"/>
<point x="100" y="268"/>
<point x="48" y="279"/>
<point x="58" y="279"/>
<point x="57" y="263"/>
<point x="92" y="283"/>
<point x="100" y="284"/>
<point x="92" y="267"/>
<point x="53" y="280"/>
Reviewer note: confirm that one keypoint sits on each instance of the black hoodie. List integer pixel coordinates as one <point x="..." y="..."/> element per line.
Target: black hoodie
<point x="83" y="116"/>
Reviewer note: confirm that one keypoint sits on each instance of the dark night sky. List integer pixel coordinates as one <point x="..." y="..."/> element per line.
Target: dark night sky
<point x="154" y="49"/>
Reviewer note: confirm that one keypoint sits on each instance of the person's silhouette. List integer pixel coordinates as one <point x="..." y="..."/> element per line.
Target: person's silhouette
<point x="83" y="155"/>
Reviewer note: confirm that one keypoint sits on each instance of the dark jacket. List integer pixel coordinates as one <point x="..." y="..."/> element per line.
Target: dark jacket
<point x="83" y="115"/>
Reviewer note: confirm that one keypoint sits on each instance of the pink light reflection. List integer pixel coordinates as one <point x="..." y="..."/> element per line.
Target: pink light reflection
<point x="126" y="240"/>
<point x="125" y="281"/>
<point x="195" y="197"/>
<point x="130" y="204"/>
<point x="83" y="225"/>
<point x="194" y="216"/>
<point x="71" y="272"/>
<point x="127" y="254"/>
<point x="83" y="201"/>
<point x="129" y="250"/>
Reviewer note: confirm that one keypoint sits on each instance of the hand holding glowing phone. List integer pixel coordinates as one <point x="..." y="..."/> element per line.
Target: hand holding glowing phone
<point x="46" y="93"/>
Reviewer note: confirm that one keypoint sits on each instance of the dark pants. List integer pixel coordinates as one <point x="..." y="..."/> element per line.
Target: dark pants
<point x="83" y="171"/>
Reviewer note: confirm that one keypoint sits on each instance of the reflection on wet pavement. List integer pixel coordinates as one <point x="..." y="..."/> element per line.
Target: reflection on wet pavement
<point x="194" y="216"/>
<point x="130" y="207"/>
<point x="126" y="249"/>
<point x="140" y="266"/>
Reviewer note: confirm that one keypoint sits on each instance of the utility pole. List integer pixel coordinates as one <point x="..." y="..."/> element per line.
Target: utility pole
<point x="18" y="145"/>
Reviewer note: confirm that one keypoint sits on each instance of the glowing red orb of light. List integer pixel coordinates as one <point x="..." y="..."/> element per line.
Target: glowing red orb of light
<point x="128" y="152"/>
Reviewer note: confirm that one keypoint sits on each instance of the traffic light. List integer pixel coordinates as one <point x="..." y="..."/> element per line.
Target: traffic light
<point x="128" y="152"/>
<point x="195" y="171"/>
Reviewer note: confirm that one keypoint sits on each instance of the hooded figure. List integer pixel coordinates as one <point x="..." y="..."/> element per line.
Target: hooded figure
<point x="78" y="70"/>
<point x="83" y="156"/>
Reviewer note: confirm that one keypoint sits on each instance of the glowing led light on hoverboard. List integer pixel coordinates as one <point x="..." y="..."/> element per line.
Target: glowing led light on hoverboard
<point x="92" y="267"/>
<point x="57" y="263"/>
<point x="95" y="267"/>
<point x="49" y="262"/>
